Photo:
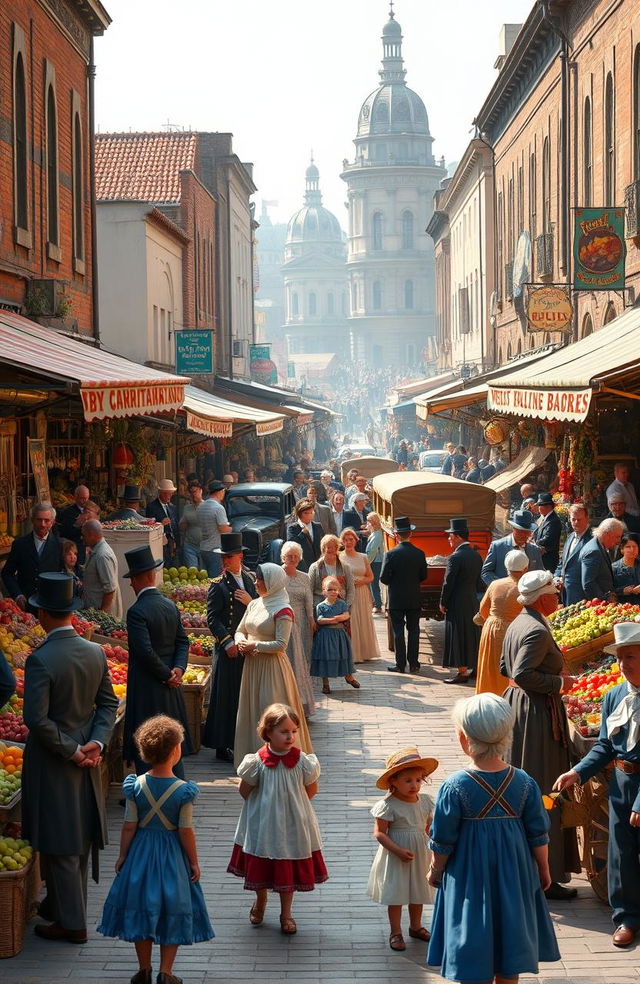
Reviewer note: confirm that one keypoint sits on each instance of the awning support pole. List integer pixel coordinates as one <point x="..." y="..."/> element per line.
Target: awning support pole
<point x="627" y="396"/>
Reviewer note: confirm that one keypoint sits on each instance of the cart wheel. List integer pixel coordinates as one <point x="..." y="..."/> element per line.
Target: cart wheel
<point x="594" y="836"/>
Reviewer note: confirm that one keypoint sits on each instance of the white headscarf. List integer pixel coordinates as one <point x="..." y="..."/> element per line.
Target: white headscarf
<point x="627" y="712"/>
<point x="275" y="581"/>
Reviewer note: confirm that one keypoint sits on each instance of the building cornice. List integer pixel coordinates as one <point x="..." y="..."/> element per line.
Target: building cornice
<point x="158" y="218"/>
<point x="478" y="154"/>
<point x="438" y="224"/>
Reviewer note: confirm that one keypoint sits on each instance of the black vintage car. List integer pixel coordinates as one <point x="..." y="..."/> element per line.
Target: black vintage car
<point x="260" y="511"/>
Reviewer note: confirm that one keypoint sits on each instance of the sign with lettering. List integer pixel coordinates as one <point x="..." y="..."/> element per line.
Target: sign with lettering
<point x="194" y="351"/>
<point x="599" y="249"/>
<point x="549" y="308"/>
<point x="541" y="404"/>
<point x="212" y="428"/>
<point x="261" y="367"/>
<point x="101" y="403"/>
<point x="269" y="427"/>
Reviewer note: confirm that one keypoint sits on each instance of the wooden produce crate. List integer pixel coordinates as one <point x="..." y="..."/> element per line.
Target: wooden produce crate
<point x="15" y="908"/>
<point x="581" y="654"/>
<point x="194" y="695"/>
<point x="197" y="632"/>
<point x="104" y="640"/>
<point x="12" y="809"/>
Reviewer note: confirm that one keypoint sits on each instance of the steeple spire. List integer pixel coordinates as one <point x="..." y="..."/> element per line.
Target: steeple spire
<point x="312" y="195"/>
<point x="392" y="62"/>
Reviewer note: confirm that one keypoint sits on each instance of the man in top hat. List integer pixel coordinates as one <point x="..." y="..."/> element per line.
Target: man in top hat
<point x="548" y="532"/>
<point x="568" y="573"/>
<point x="227" y="601"/>
<point x="523" y="526"/>
<point x="158" y="651"/>
<point x="403" y="570"/>
<point x="213" y="521"/>
<point x="165" y="512"/>
<point x="70" y="710"/>
<point x="459" y="603"/>
<point x="619" y="744"/>
<point x="129" y="505"/>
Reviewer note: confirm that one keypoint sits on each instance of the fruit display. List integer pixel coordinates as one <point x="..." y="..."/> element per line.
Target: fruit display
<point x="5" y="542"/>
<point x="10" y="784"/>
<point x="193" y="621"/>
<point x="192" y="607"/>
<point x="106" y="624"/>
<point x="16" y="650"/>
<point x="584" y="701"/>
<point x="13" y="705"/>
<point x="184" y="575"/>
<point x="12" y="727"/>
<point x="116" y="654"/>
<point x="128" y="524"/>
<point x="588" y="620"/>
<point x="195" y="674"/>
<point x="202" y="646"/>
<point x="81" y="625"/>
<point x="185" y="592"/>
<point x="14" y="853"/>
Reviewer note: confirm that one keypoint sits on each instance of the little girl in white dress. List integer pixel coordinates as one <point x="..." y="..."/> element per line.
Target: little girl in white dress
<point x="399" y="872"/>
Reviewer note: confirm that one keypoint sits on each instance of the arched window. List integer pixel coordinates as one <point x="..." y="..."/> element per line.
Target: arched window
<point x="295" y="310"/>
<point x="636" y="114"/>
<point x="609" y="143"/>
<point x="312" y="303"/>
<point x="377" y="230"/>
<point x="21" y="179"/>
<point x="376" y="295"/>
<point x="587" y="325"/>
<point x="408" y="294"/>
<point x="407" y="230"/>
<point x="546" y="186"/>
<point x="52" y="168"/>
<point x="609" y="314"/>
<point x="330" y="303"/>
<point x="587" y="154"/>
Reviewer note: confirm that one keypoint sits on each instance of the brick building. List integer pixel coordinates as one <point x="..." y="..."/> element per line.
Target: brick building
<point x="46" y="124"/>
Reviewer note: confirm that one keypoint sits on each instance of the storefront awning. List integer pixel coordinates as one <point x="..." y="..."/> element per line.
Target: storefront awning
<point x="213" y="415"/>
<point x="287" y="401"/>
<point x="108" y="385"/>
<point x="421" y="387"/>
<point x="560" y="386"/>
<point x="527" y="461"/>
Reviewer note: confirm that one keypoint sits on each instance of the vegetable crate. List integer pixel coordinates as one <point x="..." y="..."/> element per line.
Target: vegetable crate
<point x="579" y="655"/>
<point x="18" y="891"/>
<point x="194" y="694"/>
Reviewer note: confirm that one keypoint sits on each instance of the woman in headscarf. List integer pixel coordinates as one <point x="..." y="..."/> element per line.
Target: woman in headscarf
<point x="267" y="677"/>
<point x="533" y="665"/>
<point x="498" y="609"/>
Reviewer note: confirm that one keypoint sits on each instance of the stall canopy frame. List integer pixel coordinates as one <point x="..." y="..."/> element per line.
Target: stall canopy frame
<point x="528" y="460"/>
<point x="214" y="415"/>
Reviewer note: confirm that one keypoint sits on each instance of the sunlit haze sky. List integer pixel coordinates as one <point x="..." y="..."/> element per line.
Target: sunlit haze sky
<point x="288" y="76"/>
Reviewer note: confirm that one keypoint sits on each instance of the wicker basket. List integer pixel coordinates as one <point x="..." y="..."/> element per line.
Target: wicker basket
<point x="14" y="908"/>
<point x="194" y="694"/>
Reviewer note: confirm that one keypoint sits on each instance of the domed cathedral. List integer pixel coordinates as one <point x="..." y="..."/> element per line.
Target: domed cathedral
<point x="315" y="277"/>
<point x="391" y="184"/>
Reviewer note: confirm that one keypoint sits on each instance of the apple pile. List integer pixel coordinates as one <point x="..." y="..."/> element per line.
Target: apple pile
<point x="12" y="727"/>
<point x="588" y="620"/>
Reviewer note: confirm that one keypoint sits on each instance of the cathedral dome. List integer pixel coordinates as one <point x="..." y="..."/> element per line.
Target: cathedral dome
<point x="393" y="108"/>
<point x="313" y="223"/>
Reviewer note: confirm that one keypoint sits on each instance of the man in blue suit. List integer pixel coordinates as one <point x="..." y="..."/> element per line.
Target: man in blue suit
<point x="548" y="533"/>
<point x="523" y="525"/>
<point x="163" y="511"/>
<point x="568" y="573"/>
<point x="595" y="561"/>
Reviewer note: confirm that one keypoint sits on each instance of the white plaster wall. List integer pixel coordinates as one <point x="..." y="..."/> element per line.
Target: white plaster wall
<point x="122" y="287"/>
<point x="164" y="293"/>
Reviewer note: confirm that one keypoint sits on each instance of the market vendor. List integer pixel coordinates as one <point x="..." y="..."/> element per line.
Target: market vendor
<point x="622" y="484"/>
<point x="38" y="552"/>
<point x="626" y="571"/>
<point x="619" y="744"/>
<point x="595" y="562"/>
<point x="129" y="505"/>
<point x="68" y="525"/>
<point x="618" y="510"/>
<point x="100" y="588"/>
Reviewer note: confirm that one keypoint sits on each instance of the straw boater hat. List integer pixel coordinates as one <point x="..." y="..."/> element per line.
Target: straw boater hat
<point x="625" y="634"/>
<point x="405" y="758"/>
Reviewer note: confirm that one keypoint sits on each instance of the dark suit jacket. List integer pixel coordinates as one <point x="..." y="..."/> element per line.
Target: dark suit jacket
<point x="66" y="528"/>
<point x="68" y="701"/>
<point x="462" y="581"/>
<point x="224" y="612"/>
<point x="354" y="519"/>
<point x="570" y="569"/>
<point x="403" y="570"/>
<point x="548" y="536"/>
<point x="475" y="475"/>
<point x="7" y="680"/>
<point x="157" y="644"/>
<point x="596" y="571"/>
<point x="155" y="510"/>
<point x="20" y="573"/>
<point x="310" y="547"/>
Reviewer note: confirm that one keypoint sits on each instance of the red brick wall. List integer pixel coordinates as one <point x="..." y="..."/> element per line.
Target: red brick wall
<point x="44" y="40"/>
<point x="198" y="219"/>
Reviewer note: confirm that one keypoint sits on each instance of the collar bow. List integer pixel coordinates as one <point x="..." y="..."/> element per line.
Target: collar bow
<point x="271" y="760"/>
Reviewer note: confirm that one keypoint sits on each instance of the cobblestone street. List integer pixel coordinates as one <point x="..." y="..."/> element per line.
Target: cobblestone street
<point x="342" y="936"/>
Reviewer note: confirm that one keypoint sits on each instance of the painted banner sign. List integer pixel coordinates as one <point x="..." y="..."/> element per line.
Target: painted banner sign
<point x="599" y="249"/>
<point x="128" y="401"/>
<point x="549" y="308"/>
<point x="269" y="427"/>
<point x="542" y="404"/>
<point x="194" y="351"/>
<point x="212" y="428"/>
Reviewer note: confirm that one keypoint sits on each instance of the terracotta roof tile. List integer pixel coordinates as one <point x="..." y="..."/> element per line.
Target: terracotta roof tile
<point x="142" y="166"/>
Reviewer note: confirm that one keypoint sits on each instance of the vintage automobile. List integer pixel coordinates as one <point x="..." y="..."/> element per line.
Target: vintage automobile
<point x="368" y="466"/>
<point x="260" y="511"/>
<point x="430" y="501"/>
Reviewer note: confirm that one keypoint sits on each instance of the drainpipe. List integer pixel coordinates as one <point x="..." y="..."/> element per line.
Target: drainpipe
<point x="481" y="138"/>
<point x="229" y="277"/>
<point x="91" y="74"/>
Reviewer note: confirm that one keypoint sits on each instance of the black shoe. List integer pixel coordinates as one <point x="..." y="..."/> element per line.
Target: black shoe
<point x="460" y="678"/>
<point x="142" y="977"/>
<point x="414" y="669"/>
<point x="224" y="754"/>
<point x="394" y="669"/>
<point x="559" y="893"/>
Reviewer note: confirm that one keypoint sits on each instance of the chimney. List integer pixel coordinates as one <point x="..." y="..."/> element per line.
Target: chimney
<point x="508" y="34"/>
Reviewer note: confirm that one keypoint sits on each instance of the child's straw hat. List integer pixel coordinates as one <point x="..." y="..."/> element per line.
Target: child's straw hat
<point x="405" y="758"/>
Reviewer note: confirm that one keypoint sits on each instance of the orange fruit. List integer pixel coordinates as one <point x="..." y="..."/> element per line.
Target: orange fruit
<point x="10" y="769"/>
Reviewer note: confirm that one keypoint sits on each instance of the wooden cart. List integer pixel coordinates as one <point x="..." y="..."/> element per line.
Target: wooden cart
<point x="593" y="835"/>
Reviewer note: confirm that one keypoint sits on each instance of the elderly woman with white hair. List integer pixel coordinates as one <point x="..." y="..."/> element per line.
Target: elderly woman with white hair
<point x="533" y="665"/>
<point x="298" y="588"/>
<point x="498" y="609"/>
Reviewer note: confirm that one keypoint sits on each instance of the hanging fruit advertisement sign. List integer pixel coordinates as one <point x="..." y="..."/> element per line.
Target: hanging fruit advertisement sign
<point x="599" y="249"/>
<point x="549" y="308"/>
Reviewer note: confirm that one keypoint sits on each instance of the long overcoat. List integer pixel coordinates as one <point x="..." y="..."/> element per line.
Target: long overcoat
<point x="460" y="598"/>
<point x="68" y="701"/>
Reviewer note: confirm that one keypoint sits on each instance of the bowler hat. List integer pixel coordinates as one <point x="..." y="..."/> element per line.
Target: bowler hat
<point x="459" y="527"/>
<point x="216" y="486"/>
<point x="54" y="593"/>
<point x="131" y="493"/>
<point x="545" y="499"/>
<point x="230" y="543"/>
<point x="402" y="525"/>
<point x="140" y="560"/>
<point x="523" y="520"/>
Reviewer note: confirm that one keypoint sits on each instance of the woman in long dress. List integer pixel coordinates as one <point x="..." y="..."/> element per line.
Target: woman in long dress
<point x="267" y="677"/>
<point x="330" y="565"/>
<point x="363" y="635"/>
<point x="498" y="609"/>
<point x="299" y="647"/>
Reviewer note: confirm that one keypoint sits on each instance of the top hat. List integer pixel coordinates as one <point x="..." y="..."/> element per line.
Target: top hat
<point x="131" y="493"/>
<point x="545" y="499"/>
<point x="140" y="560"/>
<point x="405" y="758"/>
<point x="166" y="485"/>
<point x="626" y="634"/>
<point x="230" y="543"/>
<point x="402" y="525"/>
<point x="459" y="527"/>
<point x="54" y="593"/>
<point x="216" y="486"/>
<point x="523" y="520"/>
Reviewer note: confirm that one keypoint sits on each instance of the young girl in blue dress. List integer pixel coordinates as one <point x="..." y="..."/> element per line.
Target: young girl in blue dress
<point x="156" y="896"/>
<point x="490" y="858"/>
<point x="331" y="654"/>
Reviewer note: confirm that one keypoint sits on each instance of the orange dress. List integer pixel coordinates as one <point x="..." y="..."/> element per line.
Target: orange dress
<point x="498" y="608"/>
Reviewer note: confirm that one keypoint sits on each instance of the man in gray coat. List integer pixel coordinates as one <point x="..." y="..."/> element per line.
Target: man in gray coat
<point x="70" y="709"/>
<point x="595" y="562"/>
<point x="523" y="525"/>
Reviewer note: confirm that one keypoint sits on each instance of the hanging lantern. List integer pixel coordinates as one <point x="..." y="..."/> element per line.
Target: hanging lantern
<point x="122" y="456"/>
<point x="496" y="431"/>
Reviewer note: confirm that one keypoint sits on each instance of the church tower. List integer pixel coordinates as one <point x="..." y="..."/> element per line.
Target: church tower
<point x="391" y="184"/>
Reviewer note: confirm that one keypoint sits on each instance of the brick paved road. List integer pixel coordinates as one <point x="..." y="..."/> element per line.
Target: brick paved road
<point x="342" y="936"/>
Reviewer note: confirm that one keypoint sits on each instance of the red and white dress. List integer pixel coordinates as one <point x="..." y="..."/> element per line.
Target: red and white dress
<point x="277" y="840"/>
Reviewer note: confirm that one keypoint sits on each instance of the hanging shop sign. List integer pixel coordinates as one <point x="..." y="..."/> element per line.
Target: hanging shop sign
<point x="542" y="404"/>
<point x="599" y="249"/>
<point x="194" y="351"/>
<point x="269" y="427"/>
<point x="103" y="403"/>
<point x="549" y="308"/>
<point x="261" y="367"/>
<point x="212" y="428"/>
<point x="38" y="459"/>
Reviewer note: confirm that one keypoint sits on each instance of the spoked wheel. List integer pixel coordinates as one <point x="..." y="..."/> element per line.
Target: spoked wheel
<point x="594" y="836"/>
